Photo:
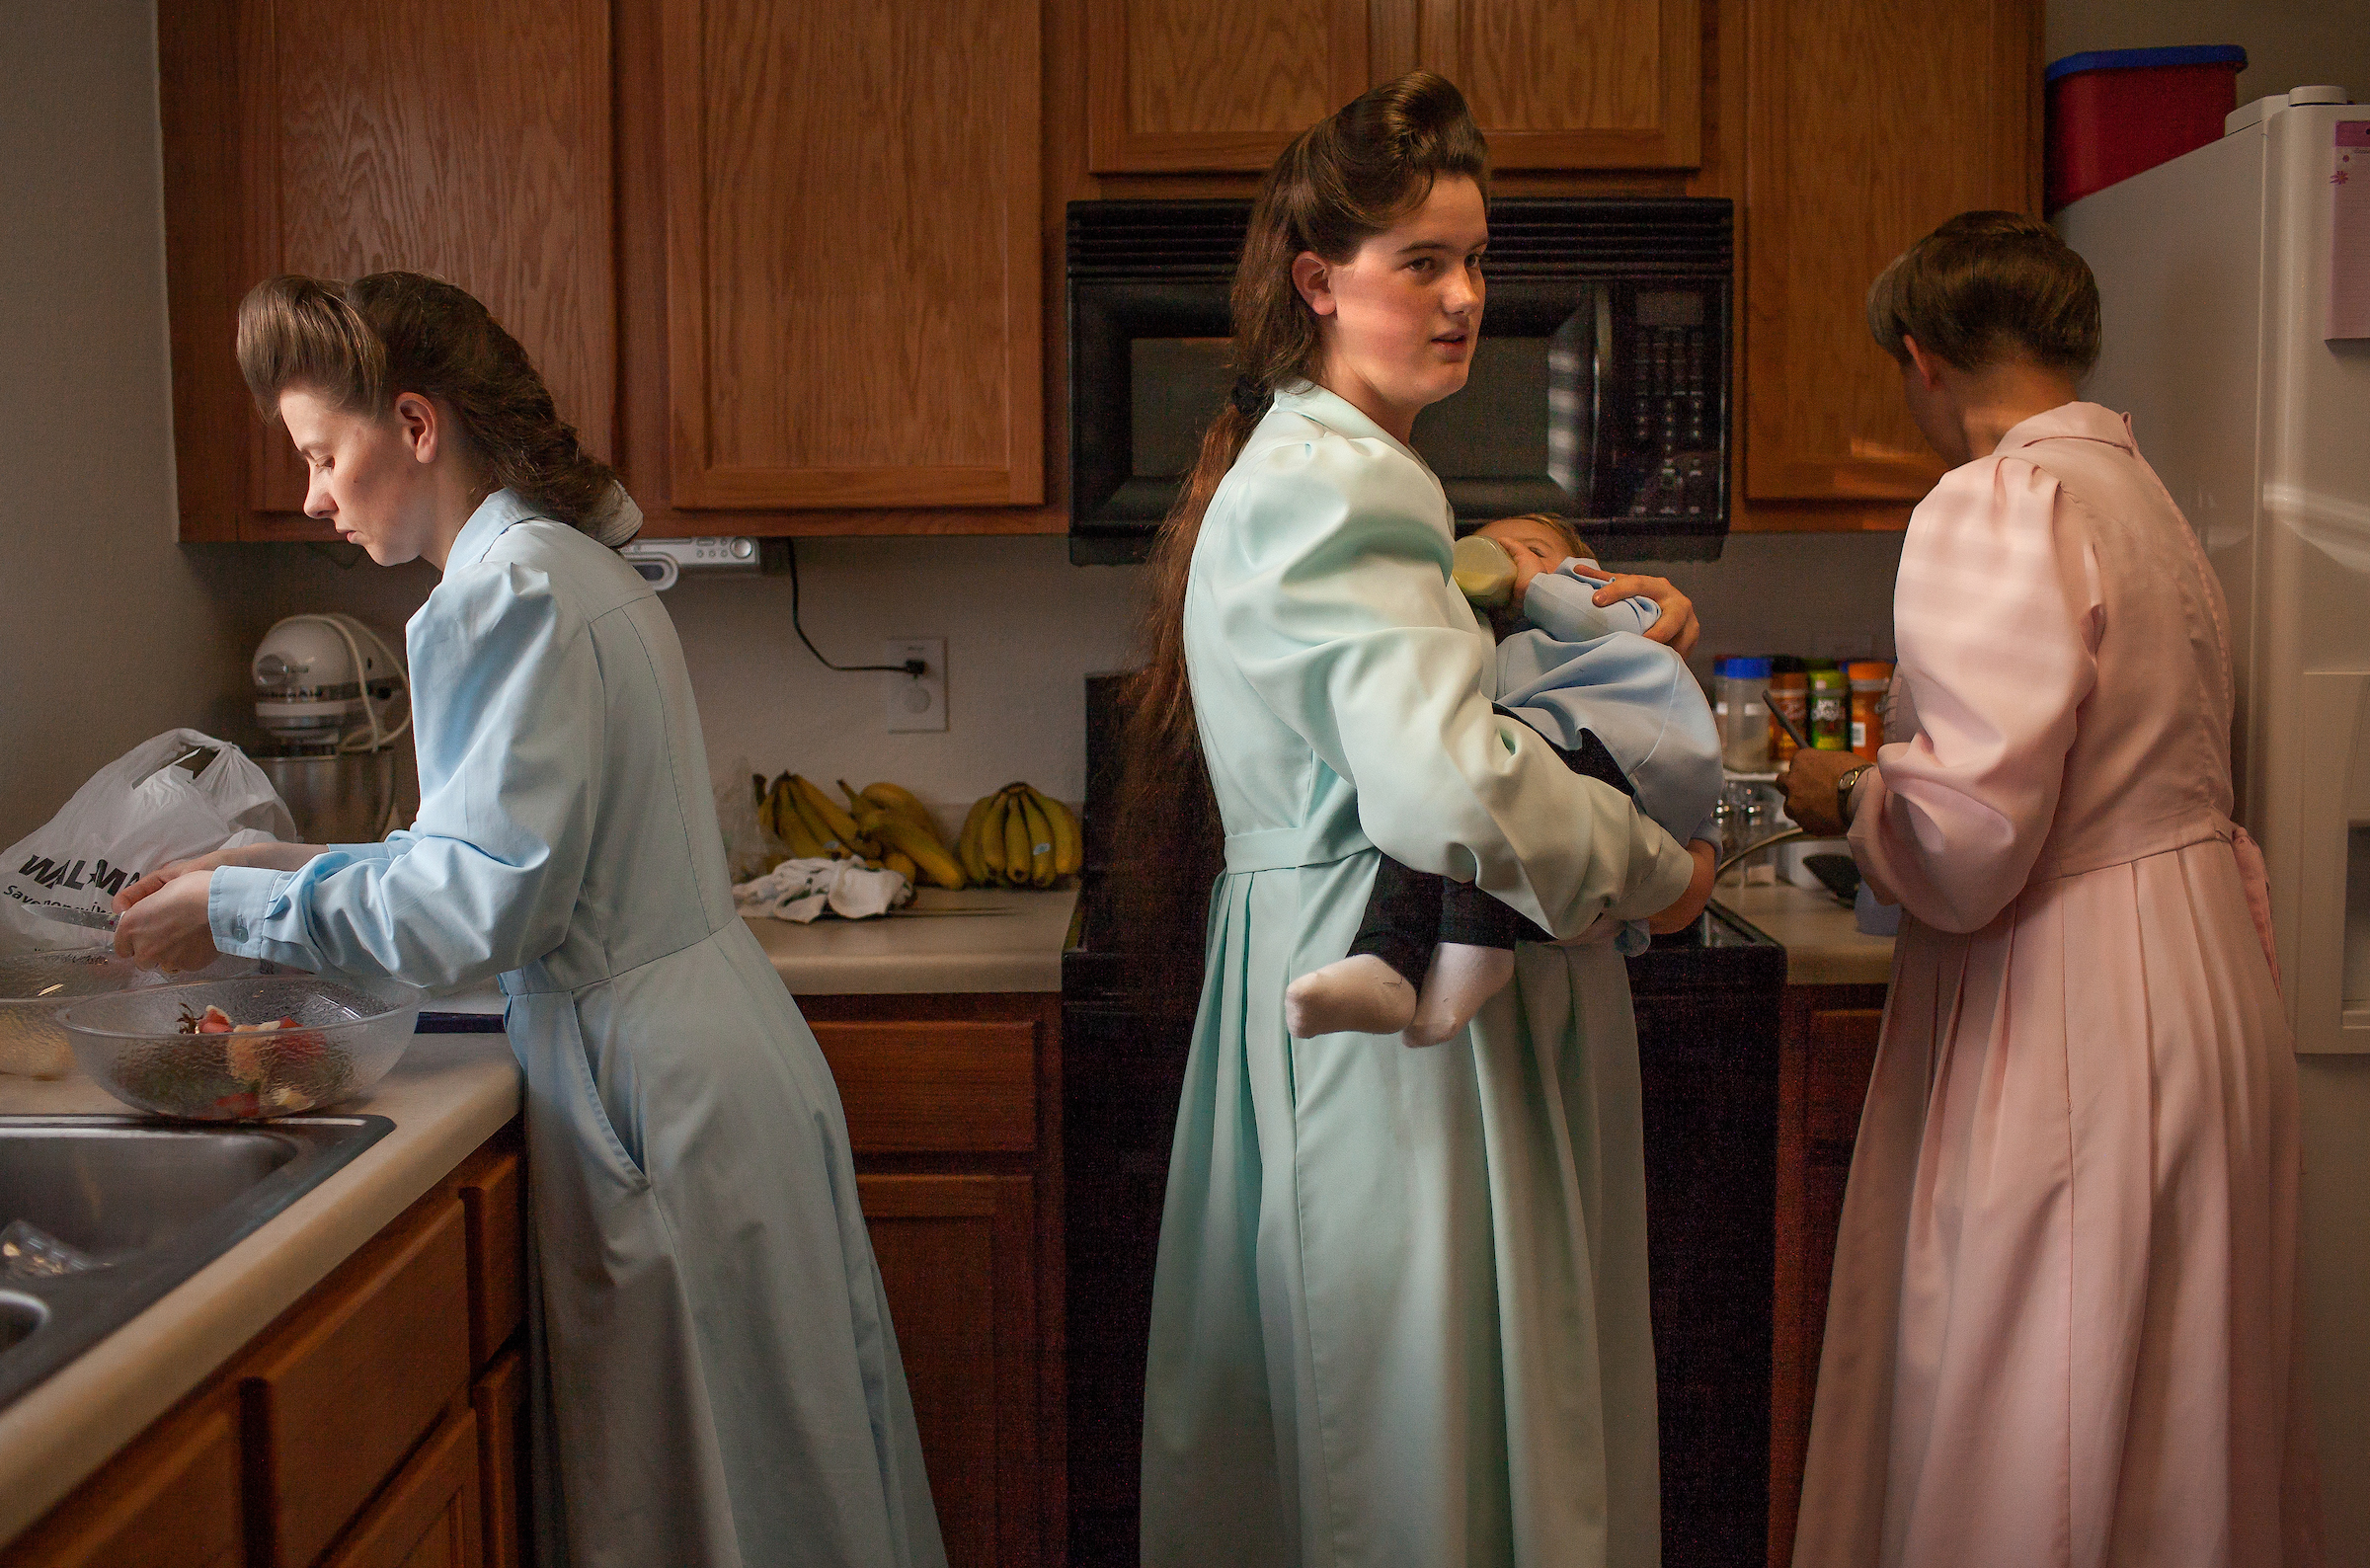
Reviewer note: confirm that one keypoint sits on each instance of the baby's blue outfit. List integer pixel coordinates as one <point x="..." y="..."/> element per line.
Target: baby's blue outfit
<point x="1580" y="666"/>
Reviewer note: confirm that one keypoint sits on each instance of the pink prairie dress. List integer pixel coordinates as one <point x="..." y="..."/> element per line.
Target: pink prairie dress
<point x="2064" y="1313"/>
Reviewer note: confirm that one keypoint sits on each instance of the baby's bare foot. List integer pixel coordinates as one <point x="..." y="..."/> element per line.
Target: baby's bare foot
<point x="1460" y="979"/>
<point x="1360" y="994"/>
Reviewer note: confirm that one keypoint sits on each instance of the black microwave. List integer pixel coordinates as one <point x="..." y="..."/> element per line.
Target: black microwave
<point x="1600" y="388"/>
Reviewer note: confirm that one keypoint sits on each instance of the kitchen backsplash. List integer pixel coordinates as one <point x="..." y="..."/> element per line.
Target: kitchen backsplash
<point x="1023" y="627"/>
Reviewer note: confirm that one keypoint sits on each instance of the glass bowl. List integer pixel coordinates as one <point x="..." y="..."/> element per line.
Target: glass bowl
<point x="34" y="986"/>
<point x="336" y="1035"/>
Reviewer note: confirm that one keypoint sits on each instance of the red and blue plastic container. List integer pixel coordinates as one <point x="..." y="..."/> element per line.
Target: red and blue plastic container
<point x="2117" y="112"/>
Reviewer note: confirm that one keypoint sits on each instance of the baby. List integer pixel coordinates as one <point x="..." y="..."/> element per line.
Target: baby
<point x="1617" y="706"/>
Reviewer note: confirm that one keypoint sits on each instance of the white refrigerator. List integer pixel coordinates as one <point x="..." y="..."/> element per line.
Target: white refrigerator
<point x="2235" y="283"/>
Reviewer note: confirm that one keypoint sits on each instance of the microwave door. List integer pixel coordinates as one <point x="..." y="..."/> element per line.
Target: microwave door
<point x="1577" y="352"/>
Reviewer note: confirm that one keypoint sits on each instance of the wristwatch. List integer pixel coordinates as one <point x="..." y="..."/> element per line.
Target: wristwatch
<point x="1843" y="790"/>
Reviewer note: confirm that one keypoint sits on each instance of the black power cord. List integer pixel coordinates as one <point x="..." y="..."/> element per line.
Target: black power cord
<point x="914" y="667"/>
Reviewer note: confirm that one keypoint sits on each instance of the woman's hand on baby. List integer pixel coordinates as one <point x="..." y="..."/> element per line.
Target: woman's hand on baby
<point x="1677" y="625"/>
<point x="1678" y="916"/>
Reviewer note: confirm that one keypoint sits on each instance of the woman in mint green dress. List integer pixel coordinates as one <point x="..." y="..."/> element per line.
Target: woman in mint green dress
<point x="1400" y="1313"/>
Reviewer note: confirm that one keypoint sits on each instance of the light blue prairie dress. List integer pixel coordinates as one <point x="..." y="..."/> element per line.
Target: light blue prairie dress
<point x="721" y="1376"/>
<point x="1400" y="1311"/>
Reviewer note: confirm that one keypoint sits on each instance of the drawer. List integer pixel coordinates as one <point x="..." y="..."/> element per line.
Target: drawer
<point x="169" y="1501"/>
<point x="429" y="1517"/>
<point x="935" y="1087"/>
<point x="494" y="1202"/>
<point x="338" y="1398"/>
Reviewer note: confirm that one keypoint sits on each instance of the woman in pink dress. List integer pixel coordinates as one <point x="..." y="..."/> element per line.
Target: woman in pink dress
<point x="2062" y="1325"/>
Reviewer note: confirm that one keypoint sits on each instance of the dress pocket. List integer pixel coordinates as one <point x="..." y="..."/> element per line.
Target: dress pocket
<point x="558" y="1041"/>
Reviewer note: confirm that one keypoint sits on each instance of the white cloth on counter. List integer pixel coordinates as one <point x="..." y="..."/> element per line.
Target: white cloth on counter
<point x="801" y="890"/>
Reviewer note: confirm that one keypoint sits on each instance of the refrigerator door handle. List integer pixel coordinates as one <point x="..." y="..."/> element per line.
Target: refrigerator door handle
<point x="2330" y="940"/>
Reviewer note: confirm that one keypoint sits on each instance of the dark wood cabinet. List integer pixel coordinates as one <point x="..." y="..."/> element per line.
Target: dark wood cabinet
<point x="792" y="266"/>
<point x="852" y="254"/>
<point x="1867" y="125"/>
<point x="358" y="1431"/>
<point x="1574" y="84"/>
<point x="1220" y="85"/>
<point x="1827" y="1049"/>
<point x="469" y="140"/>
<point x="954" y="1113"/>
<point x="1216" y="84"/>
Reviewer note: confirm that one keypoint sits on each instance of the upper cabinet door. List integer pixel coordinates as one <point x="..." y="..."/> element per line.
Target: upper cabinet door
<point x="1214" y="84"/>
<point x="1575" y="84"/>
<point x="468" y="140"/>
<point x="853" y="254"/>
<point x="1867" y="126"/>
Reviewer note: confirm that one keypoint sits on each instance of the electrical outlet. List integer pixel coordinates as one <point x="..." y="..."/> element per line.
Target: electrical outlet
<point x="916" y="702"/>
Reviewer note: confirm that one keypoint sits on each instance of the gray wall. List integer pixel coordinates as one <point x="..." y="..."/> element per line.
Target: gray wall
<point x="2288" y="42"/>
<point x="109" y="631"/>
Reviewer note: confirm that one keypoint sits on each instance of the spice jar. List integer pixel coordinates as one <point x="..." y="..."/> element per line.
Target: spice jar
<point x="1789" y="694"/>
<point x="1830" y="708"/>
<point x="1869" y="681"/>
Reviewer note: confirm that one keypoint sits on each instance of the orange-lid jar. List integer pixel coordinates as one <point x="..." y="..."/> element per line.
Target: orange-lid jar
<point x="1870" y="680"/>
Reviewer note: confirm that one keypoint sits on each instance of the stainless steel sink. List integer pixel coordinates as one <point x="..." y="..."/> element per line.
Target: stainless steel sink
<point x="145" y="1205"/>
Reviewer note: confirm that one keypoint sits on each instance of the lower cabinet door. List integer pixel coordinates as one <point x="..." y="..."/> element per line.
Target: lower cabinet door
<point x="954" y="1257"/>
<point x="429" y="1515"/>
<point x="169" y="1501"/>
<point x="499" y="1402"/>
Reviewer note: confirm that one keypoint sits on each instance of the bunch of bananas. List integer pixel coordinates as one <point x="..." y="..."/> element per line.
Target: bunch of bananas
<point x="1020" y="836"/>
<point x="884" y="826"/>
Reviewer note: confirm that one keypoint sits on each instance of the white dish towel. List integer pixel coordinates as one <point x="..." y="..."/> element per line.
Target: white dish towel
<point x="801" y="890"/>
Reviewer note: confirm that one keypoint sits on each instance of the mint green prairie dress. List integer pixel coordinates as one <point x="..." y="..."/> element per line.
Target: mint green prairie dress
<point x="1400" y="1313"/>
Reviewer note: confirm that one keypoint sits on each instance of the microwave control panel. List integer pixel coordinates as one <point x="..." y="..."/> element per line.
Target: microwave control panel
<point x="1670" y="432"/>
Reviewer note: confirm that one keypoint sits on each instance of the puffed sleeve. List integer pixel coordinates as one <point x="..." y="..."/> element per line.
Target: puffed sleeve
<point x="1995" y="617"/>
<point x="486" y="879"/>
<point x="1332" y="593"/>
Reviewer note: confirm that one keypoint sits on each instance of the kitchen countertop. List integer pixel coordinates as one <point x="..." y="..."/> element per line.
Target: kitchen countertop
<point x="1823" y="947"/>
<point x="448" y="1095"/>
<point x="978" y="940"/>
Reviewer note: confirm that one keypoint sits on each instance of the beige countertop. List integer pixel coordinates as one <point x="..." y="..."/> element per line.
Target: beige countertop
<point x="448" y="1095"/>
<point x="977" y="940"/>
<point x="1822" y="945"/>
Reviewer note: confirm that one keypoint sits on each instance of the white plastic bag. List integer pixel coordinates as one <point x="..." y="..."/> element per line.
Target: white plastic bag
<point x="162" y="801"/>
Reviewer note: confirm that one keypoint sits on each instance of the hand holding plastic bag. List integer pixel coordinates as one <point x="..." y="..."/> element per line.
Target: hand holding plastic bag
<point x="177" y="797"/>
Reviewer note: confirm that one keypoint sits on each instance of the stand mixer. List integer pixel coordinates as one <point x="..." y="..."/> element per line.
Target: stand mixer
<point x="335" y="699"/>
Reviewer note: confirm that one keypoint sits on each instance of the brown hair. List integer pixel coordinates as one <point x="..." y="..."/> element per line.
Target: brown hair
<point x="1342" y="181"/>
<point x="1988" y="288"/>
<point x="358" y="345"/>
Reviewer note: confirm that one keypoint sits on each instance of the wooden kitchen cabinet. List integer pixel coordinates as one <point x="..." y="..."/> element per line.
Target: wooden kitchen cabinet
<point x="427" y="1516"/>
<point x="1554" y="84"/>
<point x="465" y="138"/>
<point x="853" y="254"/>
<point x="953" y="1108"/>
<point x="1216" y="84"/>
<point x="1574" y="84"/>
<point x="1867" y="125"/>
<point x="1826" y="1051"/>
<point x="348" y="1434"/>
<point x="171" y="1500"/>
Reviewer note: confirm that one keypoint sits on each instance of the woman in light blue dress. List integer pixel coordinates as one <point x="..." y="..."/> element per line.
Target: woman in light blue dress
<point x="1400" y="1310"/>
<point x="719" y="1382"/>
